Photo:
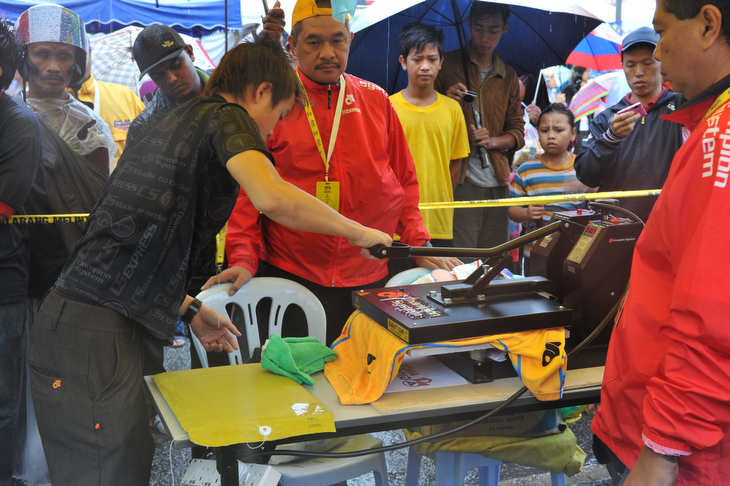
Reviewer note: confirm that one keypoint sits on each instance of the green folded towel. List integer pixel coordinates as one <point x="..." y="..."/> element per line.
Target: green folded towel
<point x="295" y="357"/>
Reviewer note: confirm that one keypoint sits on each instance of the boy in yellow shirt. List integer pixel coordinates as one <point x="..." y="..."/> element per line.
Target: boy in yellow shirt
<point x="434" y="126"/>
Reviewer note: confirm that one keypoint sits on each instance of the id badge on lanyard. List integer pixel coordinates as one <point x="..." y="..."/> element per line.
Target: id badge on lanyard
<point x="327" y="191"/>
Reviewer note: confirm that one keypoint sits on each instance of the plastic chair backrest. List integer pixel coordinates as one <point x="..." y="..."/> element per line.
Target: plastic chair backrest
<point x="282" y="293"/>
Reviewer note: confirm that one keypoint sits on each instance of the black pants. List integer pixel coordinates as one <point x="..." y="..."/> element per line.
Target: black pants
<point x="86" y="379"/>
<point x="604" y="455"/>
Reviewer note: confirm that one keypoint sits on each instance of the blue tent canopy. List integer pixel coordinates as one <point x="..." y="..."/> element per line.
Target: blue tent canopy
<point x="107" y="15"/>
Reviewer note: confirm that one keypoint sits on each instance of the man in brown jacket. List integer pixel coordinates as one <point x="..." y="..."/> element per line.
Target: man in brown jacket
<point x="496" y="132"/>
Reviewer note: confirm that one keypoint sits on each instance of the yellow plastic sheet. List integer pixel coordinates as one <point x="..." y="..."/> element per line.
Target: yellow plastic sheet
<point x="245" y="403"/>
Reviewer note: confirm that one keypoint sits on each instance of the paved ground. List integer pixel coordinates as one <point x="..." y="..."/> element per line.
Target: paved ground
<point x="169" y="463"/>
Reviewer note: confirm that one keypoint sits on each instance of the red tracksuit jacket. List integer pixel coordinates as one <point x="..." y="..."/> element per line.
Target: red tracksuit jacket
<point x="668" y="369"/>
<point x="378" y="187"/>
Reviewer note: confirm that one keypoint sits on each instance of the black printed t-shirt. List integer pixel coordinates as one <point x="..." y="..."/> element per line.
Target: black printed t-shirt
<point x="20" y="153"/>
<point x="169" y="195"/>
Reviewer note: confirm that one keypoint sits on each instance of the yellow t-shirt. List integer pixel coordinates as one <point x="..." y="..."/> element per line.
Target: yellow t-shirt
<point x="436" y="135"/>
<point x="369" y="357"/>
<point x="119" y="106"/>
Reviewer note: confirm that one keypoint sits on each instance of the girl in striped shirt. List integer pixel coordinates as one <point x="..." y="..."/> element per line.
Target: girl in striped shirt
<point x="551" y="174"/>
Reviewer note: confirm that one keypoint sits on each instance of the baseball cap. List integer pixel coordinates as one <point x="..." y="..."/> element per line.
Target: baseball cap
<point x="642" y="35"/>
<point x="154" y="45"/>
<point x="305" y="9"/>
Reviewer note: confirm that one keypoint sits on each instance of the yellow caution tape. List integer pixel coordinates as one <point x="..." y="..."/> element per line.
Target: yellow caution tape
<point x="485" y="203"/>
<point x="47" y="218"/>
<point x="526" y="201"/>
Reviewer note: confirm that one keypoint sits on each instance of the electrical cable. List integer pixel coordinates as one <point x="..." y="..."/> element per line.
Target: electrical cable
<point x="172" y="472"/>
<point x="618" y="208"/>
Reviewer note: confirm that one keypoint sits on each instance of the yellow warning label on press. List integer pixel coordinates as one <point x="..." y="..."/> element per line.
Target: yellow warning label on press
<point x="398" y="330"/>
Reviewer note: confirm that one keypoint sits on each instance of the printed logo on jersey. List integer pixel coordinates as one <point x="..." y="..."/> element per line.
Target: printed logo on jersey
<point x="552" y="351"/>
<point x="122" y="125"/>
<point x="349" y="101"/>
<point x="716" y="149"/>
<point x="370" y="359"/>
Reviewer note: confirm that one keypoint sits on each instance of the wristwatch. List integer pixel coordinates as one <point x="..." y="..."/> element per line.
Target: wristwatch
<point x="191" y="311"/>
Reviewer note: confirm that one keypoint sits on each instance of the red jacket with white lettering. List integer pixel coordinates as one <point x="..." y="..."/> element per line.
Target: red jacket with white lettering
<point x="378" y="187"/>
<point x="668" y="369"/>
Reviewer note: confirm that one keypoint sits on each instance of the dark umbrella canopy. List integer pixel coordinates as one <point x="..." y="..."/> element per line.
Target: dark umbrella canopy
<point x="537" y="37"/>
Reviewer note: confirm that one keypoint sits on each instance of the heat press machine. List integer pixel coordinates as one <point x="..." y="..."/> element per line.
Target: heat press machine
<point x="580" y="266"/>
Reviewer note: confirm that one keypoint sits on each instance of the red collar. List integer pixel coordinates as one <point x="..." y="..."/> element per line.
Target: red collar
<point x="652" y="102"/>
<point x="310" y="85"/>
<point x="692" y="112"/>
<point x="691" y="116"/>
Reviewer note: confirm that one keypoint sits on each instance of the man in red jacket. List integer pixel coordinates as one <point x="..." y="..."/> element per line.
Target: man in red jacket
<point x="348" y="149"/>
<point x="665" y="403"/>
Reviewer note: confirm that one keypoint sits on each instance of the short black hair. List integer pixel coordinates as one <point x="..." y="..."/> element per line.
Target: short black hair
<point x="248" y="65"/>
<point x="417" y="36"/>
<point x="689" y="9"/>
<point x="558" y="108"/>
<point x="488" y="9"/>
<point x="9" y="54"/>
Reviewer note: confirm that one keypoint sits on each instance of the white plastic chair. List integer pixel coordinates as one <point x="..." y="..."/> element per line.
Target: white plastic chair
<point x="283" y="293"/>
<point x="451" y="467"/>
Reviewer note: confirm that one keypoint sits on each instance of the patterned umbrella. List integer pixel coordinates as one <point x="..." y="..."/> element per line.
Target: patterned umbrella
<point x="112" y="57"/>
<point x="587" y="100"/>
<point x="599" y="50"/>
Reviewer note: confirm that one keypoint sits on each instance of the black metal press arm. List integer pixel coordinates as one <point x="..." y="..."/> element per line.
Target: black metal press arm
<point x="475" y="284"/>
<point x="400" y="250"/>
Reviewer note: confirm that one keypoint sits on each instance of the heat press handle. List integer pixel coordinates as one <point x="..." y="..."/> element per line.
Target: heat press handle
<point x="400" y="250"/>
<point x="378" y="251"/>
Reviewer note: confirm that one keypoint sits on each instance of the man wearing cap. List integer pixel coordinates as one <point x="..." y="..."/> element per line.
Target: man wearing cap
<point x="627" y="152"/>
<point x="163" y="54"/>
<point x="160" y="52"/>
<point x="346" y="147"/>
<point x="54" y="51"/>
<point x="77" y="145"/>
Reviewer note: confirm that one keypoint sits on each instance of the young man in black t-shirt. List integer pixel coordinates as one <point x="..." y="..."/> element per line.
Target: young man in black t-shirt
<point x="170" y="193"/>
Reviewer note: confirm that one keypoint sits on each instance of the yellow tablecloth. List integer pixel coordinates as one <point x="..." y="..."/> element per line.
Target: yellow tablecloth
<point x="245" y="403"/>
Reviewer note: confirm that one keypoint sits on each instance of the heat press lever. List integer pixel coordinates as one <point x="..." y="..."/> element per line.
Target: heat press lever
<point x="400" y="250"/>
<point x="472" y="289"/>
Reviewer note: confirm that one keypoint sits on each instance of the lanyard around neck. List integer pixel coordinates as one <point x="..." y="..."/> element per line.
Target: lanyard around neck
<point x="335" y="127"/>
<point x="719" y="101"/>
